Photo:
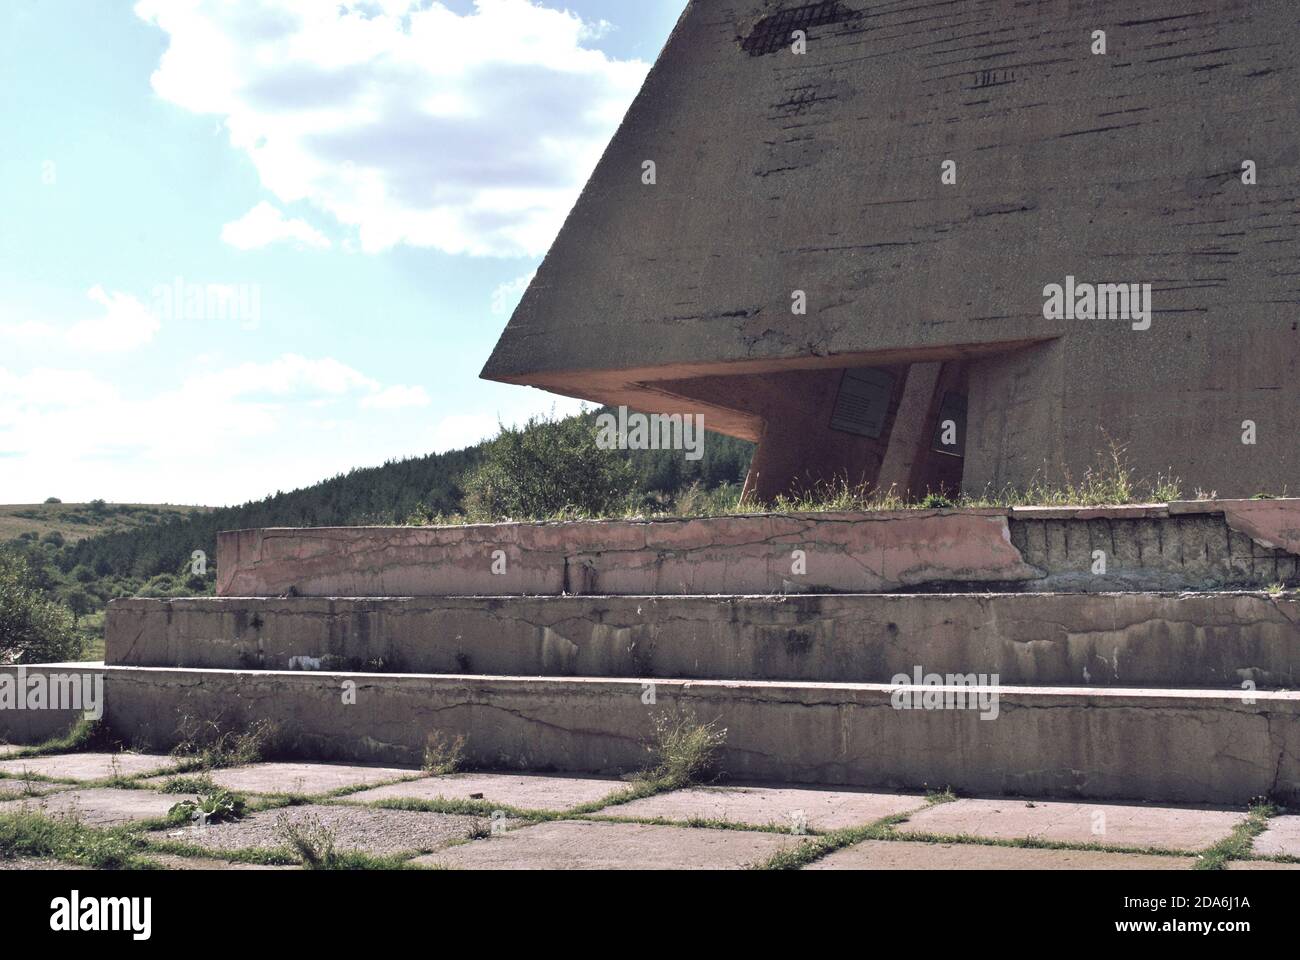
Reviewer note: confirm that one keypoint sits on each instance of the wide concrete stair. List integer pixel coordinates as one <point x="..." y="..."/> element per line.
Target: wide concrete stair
<point x="989" y="651"/>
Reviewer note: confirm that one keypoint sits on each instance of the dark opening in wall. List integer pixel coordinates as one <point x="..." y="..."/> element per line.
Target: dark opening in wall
<point x="773" y="32"/>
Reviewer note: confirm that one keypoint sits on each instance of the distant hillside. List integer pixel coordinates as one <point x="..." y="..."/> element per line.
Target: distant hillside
<point x="83" y="556"/>
<point x="77" y="521"/>
<point x="377" y="495"/>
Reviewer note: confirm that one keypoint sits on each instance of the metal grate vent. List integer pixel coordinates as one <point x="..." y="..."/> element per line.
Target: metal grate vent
<point x="773" y="33"/>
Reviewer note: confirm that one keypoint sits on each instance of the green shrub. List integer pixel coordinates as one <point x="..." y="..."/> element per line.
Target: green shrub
<point x="549" y="468"/>
<point x="32" y="628"/>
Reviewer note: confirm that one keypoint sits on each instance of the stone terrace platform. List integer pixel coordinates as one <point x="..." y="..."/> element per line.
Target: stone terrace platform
<point x="1145" y="653"/>
<point x="525" y="820"/>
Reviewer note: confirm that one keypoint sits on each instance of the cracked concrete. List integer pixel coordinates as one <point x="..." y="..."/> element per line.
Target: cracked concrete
<point x="1176" y="745"/>
<point x="1189" y="640"/>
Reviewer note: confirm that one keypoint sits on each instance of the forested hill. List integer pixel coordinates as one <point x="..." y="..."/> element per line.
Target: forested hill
<point x="379" y="495"/>
<point x="374" y="495"/>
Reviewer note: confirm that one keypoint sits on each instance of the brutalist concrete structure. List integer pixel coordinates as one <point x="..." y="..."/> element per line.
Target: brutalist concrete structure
<point x="1048" y="225"/>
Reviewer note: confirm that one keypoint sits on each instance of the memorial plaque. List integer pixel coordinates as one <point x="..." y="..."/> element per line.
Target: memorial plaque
<point x="863" y="403"/>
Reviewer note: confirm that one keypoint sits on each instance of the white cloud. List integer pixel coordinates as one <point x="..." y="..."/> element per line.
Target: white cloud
<point x="288" y="375"/>
<point x="266" y="224"/>
<point x="217" y="436"/>
<point x="401" y="118"/>
<point x="397" y="398"/>
<point x="507" y="296"/>
<point x="124" y="324"/>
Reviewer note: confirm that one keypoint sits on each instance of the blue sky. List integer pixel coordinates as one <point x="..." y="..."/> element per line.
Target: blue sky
<point x="247" y="245"/>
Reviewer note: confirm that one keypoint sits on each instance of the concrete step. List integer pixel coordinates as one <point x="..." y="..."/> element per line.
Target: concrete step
<point x="1219" y="640"/>
<point x="1179" y="546"/>
<point x="1190" y="746"/>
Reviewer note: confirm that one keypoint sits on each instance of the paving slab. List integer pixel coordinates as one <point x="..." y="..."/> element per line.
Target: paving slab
<point x="912" y="855"/>
<point x="38" y="863"/>
<point x="1124" y="825"/>
<point x="522" y="791"/>
<point x="89" y="766"/>
<point x="11" y="789"/>
<point x="170" y="861"/>
<point x="1281" y="838"/>
<point x="364" y="829"/>
<point x="306" y="778"/>
<point x="588" y="845"/>
<point x="105" y="806"/>
<point x="1261" y="865"/>
<point x="786" y="807"/>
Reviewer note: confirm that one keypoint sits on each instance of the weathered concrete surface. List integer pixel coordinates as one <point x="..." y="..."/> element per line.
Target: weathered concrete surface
<point x="1132" y="639"/>
<point x="1261" y="865"/>
<point x="845" y="552"/>
<point x="1274" y="523"/>
<point x="900" y="855"/>
<point x="1200" y="545"/>
<point x="1281" y="838"/>
<point x="63" y="699"/>
<point x="1120" y="825"/>
<point x="521" y="791"/>
<point x="1172" y="745"/>
<point x="378" y="832"/>
<point x="577" y="845"/>
<point x="104" y="806"/>
<point x="170" y="861"/>
<point x="9" y="789"/>
<point x="764" y="806"/>
<point x="823" y="174"/>
<point x="307" y="779"/>
<point x="95" y="765"/>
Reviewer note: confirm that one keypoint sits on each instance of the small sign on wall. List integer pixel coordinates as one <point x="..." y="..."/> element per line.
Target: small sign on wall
<point x="862" y="406"/>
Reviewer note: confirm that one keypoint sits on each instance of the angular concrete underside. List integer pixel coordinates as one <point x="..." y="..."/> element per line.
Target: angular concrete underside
<point x="1198" y="746"/>
<point x="820" y="173"/>
<point x="1115" y="640"/>
<point x="1195" y="545"/>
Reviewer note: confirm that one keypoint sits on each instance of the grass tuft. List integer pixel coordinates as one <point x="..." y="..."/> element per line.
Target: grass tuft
<point x="443" y="756"/>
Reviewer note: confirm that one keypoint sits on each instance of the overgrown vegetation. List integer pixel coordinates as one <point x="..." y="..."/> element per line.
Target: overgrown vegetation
<point x="443" y="756"/>
<point x="684" y="750"/>
<point x="33" y="627"/>
<point x="219" y="806"/>
<point x="1237" y="845"/>
<point x="213" y="744"/>
<point x="26" y="833"/>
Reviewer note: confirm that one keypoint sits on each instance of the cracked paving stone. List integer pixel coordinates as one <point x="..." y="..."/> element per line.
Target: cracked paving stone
<point x="11" y="789"/>
<point x="364" y="829"/>
<point x="771" y="806"/>
<point x="171" y="861"/>
<point x="1281" y="838"/>
<point x="38" y="863"/>
<point x="306" y="778"/>
<point x="104" y="806"/>
<point x="589" y="845"/>
<point x="913" y="855"/>
<point x="521" y="791"/>
<point x="89" y="766"/>
<point x="1116" y="824"/>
